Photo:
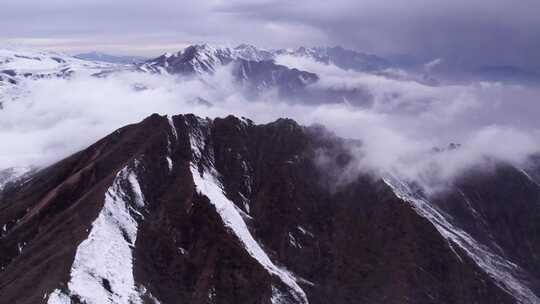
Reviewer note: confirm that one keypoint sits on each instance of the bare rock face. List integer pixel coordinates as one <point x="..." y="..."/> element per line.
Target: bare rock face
<point x="192" y="210"/>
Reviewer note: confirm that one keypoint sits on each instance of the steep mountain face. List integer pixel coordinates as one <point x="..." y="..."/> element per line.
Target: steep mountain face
<point x="191" y="210"/>
<point x="257" y="76"/>
<point x="500" y="208"/>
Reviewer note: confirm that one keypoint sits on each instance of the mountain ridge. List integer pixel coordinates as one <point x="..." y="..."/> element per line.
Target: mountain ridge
<point x="229" y="211"/>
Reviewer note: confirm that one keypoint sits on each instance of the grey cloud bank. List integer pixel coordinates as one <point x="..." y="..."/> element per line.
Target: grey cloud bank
<point x="477" y="32"/>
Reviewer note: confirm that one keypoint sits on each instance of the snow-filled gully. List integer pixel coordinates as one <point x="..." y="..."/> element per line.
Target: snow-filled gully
<point x="208" y="185"/>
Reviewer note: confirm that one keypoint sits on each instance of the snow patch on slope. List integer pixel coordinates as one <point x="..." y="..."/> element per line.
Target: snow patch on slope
<point x="57" y="297"/>
<point x="505" y="273"/>
<point x="102" y="271"/>
<point x="12" y="174"/>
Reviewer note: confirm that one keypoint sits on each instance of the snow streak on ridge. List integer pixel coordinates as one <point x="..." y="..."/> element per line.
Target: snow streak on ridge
<point x="504" y="273"/>
<point x="208" y="184"/>
<point x="169" y="144"/>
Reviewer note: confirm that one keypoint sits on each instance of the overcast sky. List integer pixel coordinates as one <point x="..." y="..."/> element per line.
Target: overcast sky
<point x="469" y="31"/>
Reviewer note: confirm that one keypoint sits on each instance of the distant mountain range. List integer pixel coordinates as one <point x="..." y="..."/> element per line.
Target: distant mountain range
<point x="103" y="57"/>
<point x="205" y="58"/>
<point x="255" y="70"/>
<point x="18" y="66"/>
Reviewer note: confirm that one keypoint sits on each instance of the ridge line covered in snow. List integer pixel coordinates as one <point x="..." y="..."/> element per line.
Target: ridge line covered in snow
<point x="102" y="271"/>
<point x="504" y="272"/>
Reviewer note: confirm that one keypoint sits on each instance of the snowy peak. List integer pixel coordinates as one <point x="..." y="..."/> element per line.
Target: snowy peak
<point x="206" y="58"/>
<point x="195" y="59"/>
<point x="253" y="69"/>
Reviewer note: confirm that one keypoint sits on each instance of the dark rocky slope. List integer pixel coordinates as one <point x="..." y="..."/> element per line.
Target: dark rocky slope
<point x="190" y="210"/>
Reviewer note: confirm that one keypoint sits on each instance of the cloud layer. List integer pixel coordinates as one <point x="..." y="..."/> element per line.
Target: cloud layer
<point x="399" y="127"/>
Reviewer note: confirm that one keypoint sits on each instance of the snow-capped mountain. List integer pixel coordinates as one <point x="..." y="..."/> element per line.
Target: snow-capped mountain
<point x="253" y="68"/>
<point x="18" y="66"/>
<point x="189" y="210"/>
<point x="206" y="58"/>
<point x="39" y="64"/>
<point x="256" y="70"/>
<point x="341" y="57"/>
<point x="195" y="59"/>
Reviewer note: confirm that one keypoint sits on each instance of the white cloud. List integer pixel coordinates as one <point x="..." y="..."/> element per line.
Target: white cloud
<point x="398" y="129"/>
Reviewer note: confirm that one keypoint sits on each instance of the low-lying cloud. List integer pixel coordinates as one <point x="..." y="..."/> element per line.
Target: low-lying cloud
<point x="399" y="127"/>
